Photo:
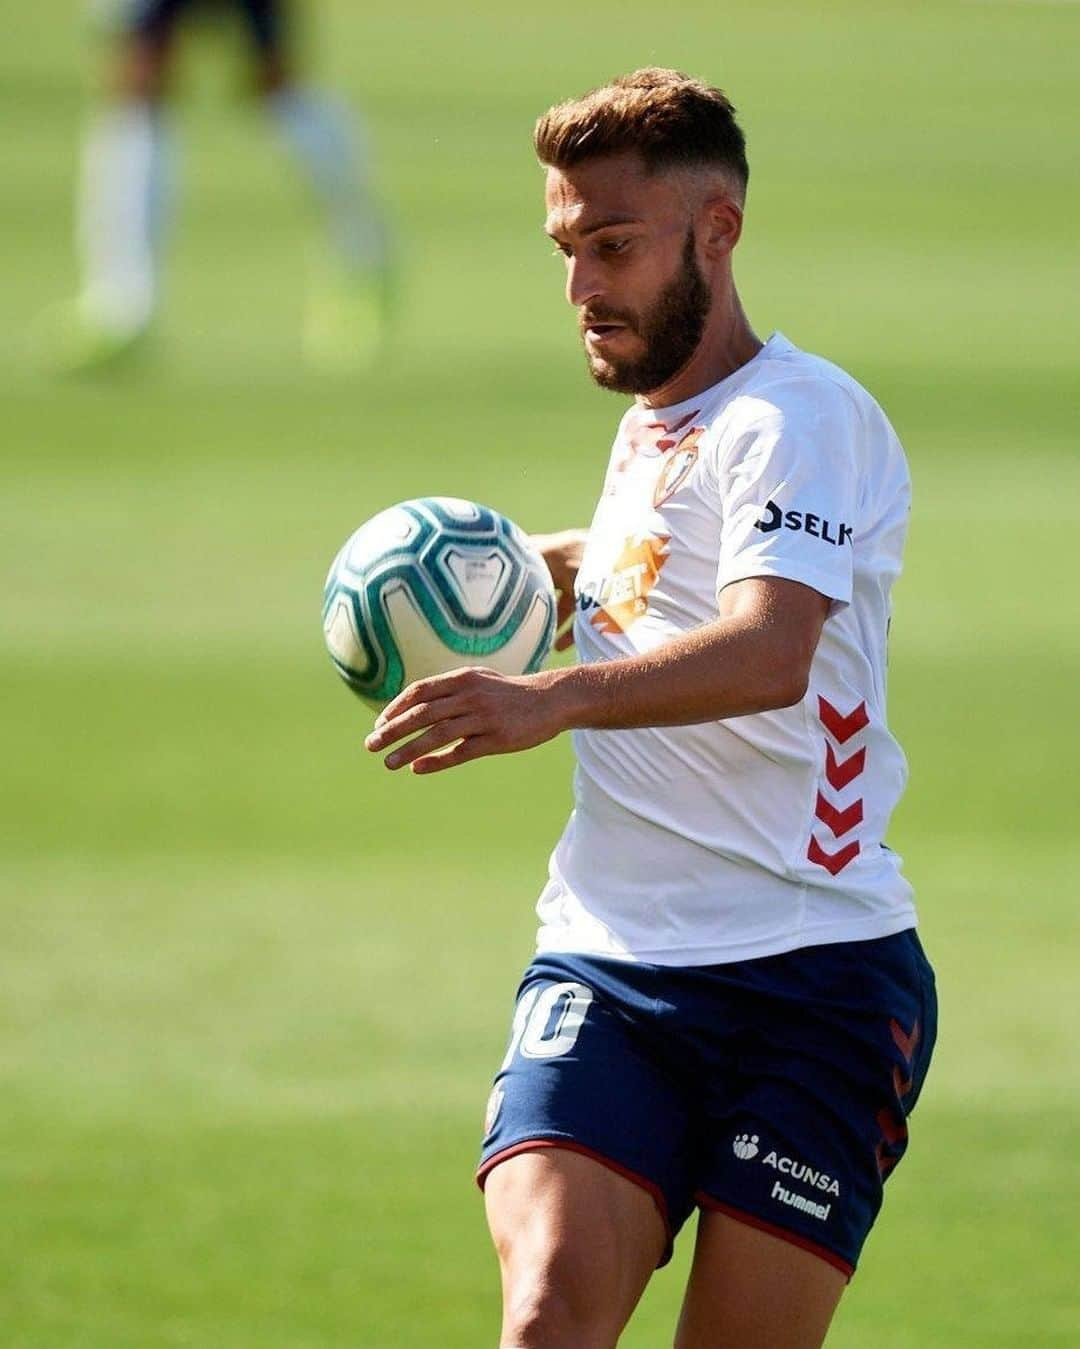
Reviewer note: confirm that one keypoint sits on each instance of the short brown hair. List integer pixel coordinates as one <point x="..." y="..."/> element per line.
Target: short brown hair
<point x="670" y="119"/>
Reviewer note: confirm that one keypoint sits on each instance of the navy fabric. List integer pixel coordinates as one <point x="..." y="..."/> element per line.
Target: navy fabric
<point x="264" y="19"/>
<point x="777" y="1089"/>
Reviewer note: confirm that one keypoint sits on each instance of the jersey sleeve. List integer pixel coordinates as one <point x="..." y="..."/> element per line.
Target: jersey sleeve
<point x="786" y="473"/>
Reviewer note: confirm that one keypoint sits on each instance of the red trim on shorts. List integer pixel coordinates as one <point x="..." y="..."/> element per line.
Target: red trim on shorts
<point x="752" y="1220"/>
<point x="534" y="1144"/>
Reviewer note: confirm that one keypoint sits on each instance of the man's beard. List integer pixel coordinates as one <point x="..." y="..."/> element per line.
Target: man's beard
<point x="671" y="331"/>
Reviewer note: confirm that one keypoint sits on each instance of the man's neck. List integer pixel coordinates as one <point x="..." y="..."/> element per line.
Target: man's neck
<point x="728" y="343"/>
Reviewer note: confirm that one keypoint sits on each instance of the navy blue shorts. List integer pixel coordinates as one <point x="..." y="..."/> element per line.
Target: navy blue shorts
<point x="775" y="1090"/>
<point x="264" y="19"/>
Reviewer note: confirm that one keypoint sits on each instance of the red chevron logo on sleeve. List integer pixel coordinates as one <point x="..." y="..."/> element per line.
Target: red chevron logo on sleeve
<point x="842" y="728"/>
<point x="839" y="821"/>
<point x="841" y="772"/>
<point x="833" y="862"/>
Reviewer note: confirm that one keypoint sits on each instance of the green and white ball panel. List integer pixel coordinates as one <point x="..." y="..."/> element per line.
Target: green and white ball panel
<point x="427" y="654"/>
<point x="430" y="585"/>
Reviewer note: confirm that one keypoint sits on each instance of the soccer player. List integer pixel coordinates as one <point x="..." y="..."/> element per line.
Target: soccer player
<point x="729" y="1008"/>
<point x="124" y="191"/>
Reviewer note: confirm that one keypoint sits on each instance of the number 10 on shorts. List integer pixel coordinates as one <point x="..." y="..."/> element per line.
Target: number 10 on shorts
<point x="547" y="1021"/>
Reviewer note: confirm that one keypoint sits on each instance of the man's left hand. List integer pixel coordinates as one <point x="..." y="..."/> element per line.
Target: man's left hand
<point x="475" y="710"/>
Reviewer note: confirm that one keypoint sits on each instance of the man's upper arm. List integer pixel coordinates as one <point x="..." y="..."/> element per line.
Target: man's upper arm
<point x="787" y="478"/>
<point x="788" y="615"/>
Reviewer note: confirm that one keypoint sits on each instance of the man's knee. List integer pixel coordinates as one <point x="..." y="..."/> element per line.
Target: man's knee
<point x="542" y="1311"/>
<point x="551" y="1296"/>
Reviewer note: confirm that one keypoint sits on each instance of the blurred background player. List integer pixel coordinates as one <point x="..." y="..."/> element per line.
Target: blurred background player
<point x="124" y="191"/>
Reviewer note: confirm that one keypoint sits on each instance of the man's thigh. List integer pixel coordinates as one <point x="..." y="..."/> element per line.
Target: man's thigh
<point x="577" y="1243"/>
<point x="750" y="1290"/>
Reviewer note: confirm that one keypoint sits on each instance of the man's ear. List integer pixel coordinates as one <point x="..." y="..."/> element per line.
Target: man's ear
<point x="720" y="220"/>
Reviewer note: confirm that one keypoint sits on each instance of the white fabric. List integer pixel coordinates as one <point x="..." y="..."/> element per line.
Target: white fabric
<point x="123" y="196"/>
<point x="760" y="834"/>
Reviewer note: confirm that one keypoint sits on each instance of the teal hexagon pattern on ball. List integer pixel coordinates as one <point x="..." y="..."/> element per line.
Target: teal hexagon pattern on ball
<point x="431" y="585"/>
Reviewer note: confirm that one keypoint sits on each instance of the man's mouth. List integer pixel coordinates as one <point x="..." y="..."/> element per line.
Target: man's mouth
<point x="600" y="331"/>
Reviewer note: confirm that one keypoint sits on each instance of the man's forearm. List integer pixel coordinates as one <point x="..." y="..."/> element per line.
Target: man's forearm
<point x="728" y="668"/>
<point x="754" y="657"/>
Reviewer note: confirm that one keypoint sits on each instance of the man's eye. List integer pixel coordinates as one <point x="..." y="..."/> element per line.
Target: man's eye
<point x="615" y="245"/>
<point x="561" y="251"/>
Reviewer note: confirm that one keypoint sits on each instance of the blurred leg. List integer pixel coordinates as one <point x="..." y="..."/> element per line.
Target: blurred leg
<point x="351" y="295"/>
<point x="577" y="1244"/>
<point x="318" y="131"/>
<point x="751" y="1290"/>
<point x="322" y="137"/>
<point x="122" y="195"/>
<point x="350" y="299"/>
<point x="144" y="65"/>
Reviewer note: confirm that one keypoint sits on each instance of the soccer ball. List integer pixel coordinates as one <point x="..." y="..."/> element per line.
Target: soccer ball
<point x="431" y="585"/>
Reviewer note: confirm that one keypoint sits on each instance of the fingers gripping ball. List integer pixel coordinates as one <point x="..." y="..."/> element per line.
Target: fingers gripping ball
<point x="430" y="585"/>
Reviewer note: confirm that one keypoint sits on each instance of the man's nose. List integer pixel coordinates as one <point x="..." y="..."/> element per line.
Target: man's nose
<point x="582" y="282"/>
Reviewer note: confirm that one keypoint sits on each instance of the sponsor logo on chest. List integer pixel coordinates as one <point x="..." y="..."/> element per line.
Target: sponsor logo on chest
<point x="622" y="596"/>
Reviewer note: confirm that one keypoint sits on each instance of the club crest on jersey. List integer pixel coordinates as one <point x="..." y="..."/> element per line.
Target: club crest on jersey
<point x="678" y="466"/>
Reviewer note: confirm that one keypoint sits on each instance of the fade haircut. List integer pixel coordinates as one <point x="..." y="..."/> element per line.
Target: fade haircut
<point x="668" y="118"/>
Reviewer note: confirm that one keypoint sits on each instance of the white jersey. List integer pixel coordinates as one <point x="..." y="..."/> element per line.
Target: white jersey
<point x="730" y="840"/>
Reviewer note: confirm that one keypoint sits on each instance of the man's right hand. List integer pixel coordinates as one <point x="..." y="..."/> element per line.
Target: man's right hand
<point x="562" y="552"/>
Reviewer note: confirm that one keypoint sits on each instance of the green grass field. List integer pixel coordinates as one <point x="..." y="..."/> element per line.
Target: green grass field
<point x="251" y="987"/>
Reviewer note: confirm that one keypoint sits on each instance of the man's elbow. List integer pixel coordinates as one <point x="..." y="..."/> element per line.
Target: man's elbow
<point x="774" y="689"/>
<point x="790" y="680"/>
<point x="792" y="690"/>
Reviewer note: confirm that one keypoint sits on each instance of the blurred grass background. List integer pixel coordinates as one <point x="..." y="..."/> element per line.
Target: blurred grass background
<point x="251" y="988"/>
